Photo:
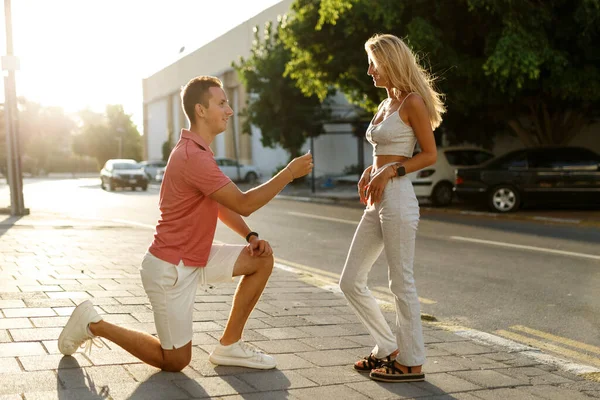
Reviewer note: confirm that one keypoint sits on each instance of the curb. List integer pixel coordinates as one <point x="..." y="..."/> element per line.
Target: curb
<point x="584" y="371"/>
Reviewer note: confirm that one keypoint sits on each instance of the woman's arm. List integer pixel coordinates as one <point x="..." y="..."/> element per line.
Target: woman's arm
<point x="418" y="117"/>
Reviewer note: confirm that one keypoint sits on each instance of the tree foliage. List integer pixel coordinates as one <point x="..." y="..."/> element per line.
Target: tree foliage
<point x="101" y="135"/>
<point x="529" y="64"/>
<point x="285" y="115"/>
<point x="45" y="134"/>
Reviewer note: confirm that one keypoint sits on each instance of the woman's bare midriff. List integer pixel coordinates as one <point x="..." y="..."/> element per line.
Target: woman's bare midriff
<point x="380" y="161"/>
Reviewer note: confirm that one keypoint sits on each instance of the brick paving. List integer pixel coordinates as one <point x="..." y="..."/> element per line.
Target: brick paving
<point x="47" y="267"/>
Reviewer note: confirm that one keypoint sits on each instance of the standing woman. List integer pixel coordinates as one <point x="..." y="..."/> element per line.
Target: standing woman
<point x="409" y="114"/>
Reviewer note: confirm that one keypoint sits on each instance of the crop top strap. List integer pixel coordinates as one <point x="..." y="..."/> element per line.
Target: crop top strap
<point x="401" y="104"/>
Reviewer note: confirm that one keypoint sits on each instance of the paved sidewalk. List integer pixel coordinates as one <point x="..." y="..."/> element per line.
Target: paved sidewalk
<point x="47" y="266"/>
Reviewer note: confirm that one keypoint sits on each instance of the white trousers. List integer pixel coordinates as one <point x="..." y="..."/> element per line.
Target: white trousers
<point x="389" y="225"/>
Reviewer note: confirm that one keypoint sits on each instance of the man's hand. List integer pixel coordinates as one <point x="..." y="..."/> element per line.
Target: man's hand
<point x="301" y="166"/>
<point x="259" y="248"/>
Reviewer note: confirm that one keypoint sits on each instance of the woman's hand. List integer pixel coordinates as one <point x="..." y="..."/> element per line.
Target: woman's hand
<point x="376" y="187"/>
<point x="362" y="184"/>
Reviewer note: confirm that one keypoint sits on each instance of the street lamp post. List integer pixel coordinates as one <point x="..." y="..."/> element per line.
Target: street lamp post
<point x="10" y="64"/>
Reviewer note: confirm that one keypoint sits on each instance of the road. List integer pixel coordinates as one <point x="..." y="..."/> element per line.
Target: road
<point x="531" y="282"/>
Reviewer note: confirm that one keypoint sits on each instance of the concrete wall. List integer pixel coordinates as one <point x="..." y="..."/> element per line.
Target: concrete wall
<point x="215" y="59"/>
<point x="157" y="128"/>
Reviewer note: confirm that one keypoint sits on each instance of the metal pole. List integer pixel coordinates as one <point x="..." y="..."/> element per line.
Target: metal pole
<point x="9" y="64"/>
<point x="234" y="131"/>
<point x="312" y="176"/>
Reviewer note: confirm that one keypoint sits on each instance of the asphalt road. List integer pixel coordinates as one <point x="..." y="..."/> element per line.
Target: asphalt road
<point x="528" y="281"/>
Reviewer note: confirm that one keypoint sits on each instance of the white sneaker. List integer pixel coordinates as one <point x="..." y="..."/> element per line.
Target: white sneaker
<point x="241" y="354"/>
<point x="75" y="333"/>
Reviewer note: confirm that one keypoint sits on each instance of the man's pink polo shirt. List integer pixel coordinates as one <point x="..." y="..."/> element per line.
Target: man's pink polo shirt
<point x="188" y="219"/>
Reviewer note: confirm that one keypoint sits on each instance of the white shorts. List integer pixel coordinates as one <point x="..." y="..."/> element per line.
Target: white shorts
<point x="172" y="290"/>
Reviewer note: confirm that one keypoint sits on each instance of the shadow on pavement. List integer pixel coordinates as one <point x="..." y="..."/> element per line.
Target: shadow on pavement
<point x="75" y="383"/>
<point x="7" y="222"/>
<point x="80" y="385"/>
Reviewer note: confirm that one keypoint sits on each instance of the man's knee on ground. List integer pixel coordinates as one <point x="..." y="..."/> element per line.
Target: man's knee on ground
<point x="175" y="365"/>
<point x="176" y="362"/>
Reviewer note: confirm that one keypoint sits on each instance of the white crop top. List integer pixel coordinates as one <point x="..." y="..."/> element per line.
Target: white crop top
<point x="392" y="136"/>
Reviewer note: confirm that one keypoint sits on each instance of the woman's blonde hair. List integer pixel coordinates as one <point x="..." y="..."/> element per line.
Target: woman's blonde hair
<point x="401" y="68"/>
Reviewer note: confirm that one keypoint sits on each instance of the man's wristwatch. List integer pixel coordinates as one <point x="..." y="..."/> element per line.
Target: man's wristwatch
<point x="248" y="236"/>
<point x="400" y="170"/>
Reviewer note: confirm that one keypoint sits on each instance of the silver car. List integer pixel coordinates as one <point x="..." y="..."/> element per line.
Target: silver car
<point x="123" y="173"/>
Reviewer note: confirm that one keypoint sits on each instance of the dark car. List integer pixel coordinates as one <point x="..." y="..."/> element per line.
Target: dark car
<point x="543" y="176"/>
<point x="123" y="173"/>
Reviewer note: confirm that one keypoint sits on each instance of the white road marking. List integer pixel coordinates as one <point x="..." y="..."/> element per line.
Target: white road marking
<point x="524" y="247"/>
<point x="126" y="222"/>
<point x="465" y="239"/>
<point x="344" y="221"/>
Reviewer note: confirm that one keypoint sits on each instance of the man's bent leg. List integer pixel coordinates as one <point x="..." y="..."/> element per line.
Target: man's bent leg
<point x="85" y="324"/>
<point x="144" y="346"/>
<point x="256" y="272"/>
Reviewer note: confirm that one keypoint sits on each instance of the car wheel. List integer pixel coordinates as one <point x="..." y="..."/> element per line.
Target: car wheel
<point x="144" y="187"/>
<point x="102" y="185"/>
<point x="504" y="198"/>
<point x="251" y="177"/>
<point x="111" y="185"/>
<point x="442" y="194"/>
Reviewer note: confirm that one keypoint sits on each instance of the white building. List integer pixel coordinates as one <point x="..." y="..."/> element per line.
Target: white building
<point x="163" y="114"/>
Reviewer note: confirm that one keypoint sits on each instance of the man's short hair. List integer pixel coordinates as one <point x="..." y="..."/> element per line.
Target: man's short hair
<point x="196" y="91"/>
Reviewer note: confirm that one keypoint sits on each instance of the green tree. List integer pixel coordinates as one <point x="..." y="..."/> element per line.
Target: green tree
<point x="102" y="135"/>
<point x="167" y="148"/>
<point x="45" y="133"/>
<point x="530" y="65"/>
<point x="283" y="113"/>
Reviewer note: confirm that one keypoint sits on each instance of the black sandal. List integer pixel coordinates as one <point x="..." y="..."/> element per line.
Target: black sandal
<point x="395" y="374"/>
<point x="370" y="362"/>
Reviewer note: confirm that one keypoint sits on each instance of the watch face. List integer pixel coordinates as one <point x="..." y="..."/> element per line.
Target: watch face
<point x="401" y="171"/>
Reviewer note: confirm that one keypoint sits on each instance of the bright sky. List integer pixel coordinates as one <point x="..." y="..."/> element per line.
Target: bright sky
<point x="89" y="53"/>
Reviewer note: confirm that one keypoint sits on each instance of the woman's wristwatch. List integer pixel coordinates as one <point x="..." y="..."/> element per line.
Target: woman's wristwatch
<point x="400" y="170"/>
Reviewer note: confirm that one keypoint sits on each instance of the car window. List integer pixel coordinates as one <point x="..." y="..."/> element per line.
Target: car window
<point x="467" y="158"/>
<point x="547" y="159"/>
<point x="575" y="158"/>
<point x="479" y="157"/>
<point x="455" y="157"/>
<point x="126" y="166"/>
<point x="513" y="160"/>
